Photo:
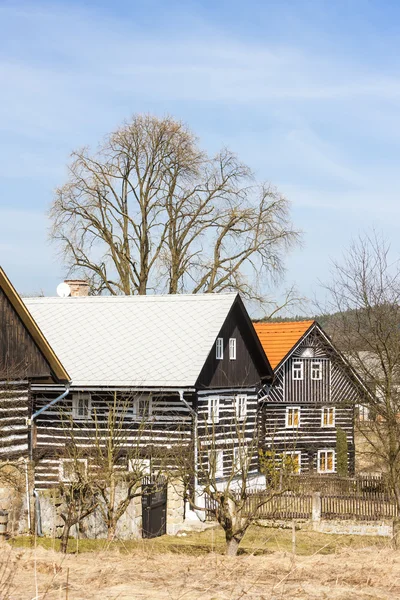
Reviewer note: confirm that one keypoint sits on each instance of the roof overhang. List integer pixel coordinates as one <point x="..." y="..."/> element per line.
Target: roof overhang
<point x="28" y="321"/>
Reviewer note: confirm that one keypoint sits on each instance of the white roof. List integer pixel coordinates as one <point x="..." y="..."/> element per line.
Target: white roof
<point x="135" y="341"/>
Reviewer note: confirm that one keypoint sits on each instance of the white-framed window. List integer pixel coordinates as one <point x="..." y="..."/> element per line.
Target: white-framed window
<point x="328" y="415"/>
<point x="363" y="412"/>
<point x="142" y="407"/>
<point x="81" y="406"/>
<point x="297" y="369"/>
<point x="219" y="349"/>
<point x="326" y="461"/>
<point x="213" y="409"/>
<point x="241" y="407"/>
<point x="139" y="464"/>
<point x="316" y="370"/>
<point x="293" y="461"/>
<point x="232" y="348"/>
<point x="241" y="458"/>
<point x="308" y="352"/>
<point x="292" y="416"/>
<point x="70" y="468"/>
<point x="216" y="462"/>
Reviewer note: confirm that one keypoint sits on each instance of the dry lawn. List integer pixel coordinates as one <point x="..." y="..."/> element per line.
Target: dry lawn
<point x="145" y="572"/>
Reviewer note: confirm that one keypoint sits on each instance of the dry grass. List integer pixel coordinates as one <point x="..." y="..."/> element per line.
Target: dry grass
<point x="152" y="571"/>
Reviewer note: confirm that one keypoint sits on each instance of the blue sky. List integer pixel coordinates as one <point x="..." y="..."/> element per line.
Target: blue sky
<point x="306" y="92"/>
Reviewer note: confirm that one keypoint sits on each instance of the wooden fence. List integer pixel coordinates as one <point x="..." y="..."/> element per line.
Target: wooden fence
<point x="362" y="499"/>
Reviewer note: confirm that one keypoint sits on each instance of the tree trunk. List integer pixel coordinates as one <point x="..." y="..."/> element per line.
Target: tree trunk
<point x="232" y="547"/>
<point x="111" y="531"/>
<point x="64" y="538"/>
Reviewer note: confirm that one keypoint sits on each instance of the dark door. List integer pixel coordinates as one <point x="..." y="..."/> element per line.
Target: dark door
<point x="154" y="507"/>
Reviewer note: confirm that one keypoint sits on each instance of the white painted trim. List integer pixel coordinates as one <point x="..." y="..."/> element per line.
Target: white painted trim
<point x="295" y="370"/>
<point x="291" y="453"/>
<point x="328" y="408"/>
<point x="241" y="400"/>
<point x="213" y="411"/>
<point x="232" y="348"/>
<point x="318" y="362"/>
<point x="325" y="450"/>
<point x="219" y="348"/>
<point x="75" y="406"/>
<point x="289" y="408"/>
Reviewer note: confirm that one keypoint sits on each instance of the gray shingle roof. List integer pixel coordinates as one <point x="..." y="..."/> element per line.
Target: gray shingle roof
<point x="137" y="341"/>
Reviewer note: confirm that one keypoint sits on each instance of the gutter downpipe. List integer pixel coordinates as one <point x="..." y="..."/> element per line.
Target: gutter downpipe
<point x="200" y="515"/>
<point x="28" y="503"/>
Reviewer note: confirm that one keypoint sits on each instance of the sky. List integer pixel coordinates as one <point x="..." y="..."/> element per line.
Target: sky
<point x="306" y="92"/>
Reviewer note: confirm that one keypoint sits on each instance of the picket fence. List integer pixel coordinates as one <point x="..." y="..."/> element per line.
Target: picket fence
<point x="361" y="499"/>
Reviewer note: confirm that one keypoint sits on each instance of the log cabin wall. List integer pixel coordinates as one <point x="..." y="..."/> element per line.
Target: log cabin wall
<point x="336" y="389"/>
<point x="14" y="411"/>
<point x="226" y="434"/>
<point x="168" y="428"/>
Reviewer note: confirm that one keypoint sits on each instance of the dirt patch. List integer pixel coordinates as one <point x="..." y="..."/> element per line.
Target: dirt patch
<point x="359" y="574"/>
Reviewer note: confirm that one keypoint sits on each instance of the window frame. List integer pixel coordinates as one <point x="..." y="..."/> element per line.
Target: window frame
<point x="327" y="409"/>
<point x="219" y="348"/>
<point x="61" y="464"/>
<point x="232" y="348"/>
<point x="297" y="453"/>
<point x="219" y="461"/>
<point x="76" y="396"/>
<point x="135" y="407"/>
<point x="213" y="417"/>
<point x="295" y="370"/>
<point x="326" y="451"/>
<point x="240" y="401"/>
<point x="287" y="412"/>
<point x="313" y="363"/>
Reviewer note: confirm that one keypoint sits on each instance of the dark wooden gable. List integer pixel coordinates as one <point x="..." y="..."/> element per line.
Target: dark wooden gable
<point x="20" y="357"/>
<point x="251" y="366"/>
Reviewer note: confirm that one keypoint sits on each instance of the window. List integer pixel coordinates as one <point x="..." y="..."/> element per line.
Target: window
<point x="308" y="352"/>
<point x="292" y="416"/>
<point x="328" y="416"/>
<point x="220" y="348"/>
<point x="141" y="465"/>
<point x="316" y="370"/>
<point x="363" y="413"/>
<point x="241" y="407"/>
<point x="213" y="409"/>
<point x="297" y="369"/>
<point x="70" y="469"/>
<point x="81" y="406"/>
<point x="232" y="348"/>
<point x="326" y="461"/>
<point x="216" y="463"/>
<point x="241" y="458"/>
<point x="142" y="407"/>
<point x="292" y="461"/>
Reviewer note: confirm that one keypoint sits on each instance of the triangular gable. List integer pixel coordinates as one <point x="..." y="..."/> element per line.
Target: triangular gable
<point x="26" y="340"/>
<point x="280" y="339"/>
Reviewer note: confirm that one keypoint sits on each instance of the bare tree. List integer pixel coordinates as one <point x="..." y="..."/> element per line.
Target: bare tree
<point x="150" y="210"/>
<point x="226" y="482"/>
<point x="106" y="460"/>
<point x="364" y="294"/>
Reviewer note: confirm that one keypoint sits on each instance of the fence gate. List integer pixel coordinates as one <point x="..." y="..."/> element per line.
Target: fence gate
<point x="154" y="507"/>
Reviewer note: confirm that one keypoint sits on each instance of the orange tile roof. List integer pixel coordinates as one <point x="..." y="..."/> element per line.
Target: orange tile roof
<point x="278" y="339"/>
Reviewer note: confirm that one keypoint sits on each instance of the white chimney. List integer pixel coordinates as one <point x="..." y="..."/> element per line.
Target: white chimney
<point x="78" y="287"/>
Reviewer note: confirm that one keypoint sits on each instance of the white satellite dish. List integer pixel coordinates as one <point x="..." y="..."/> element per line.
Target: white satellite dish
<point x="63" y="290"/>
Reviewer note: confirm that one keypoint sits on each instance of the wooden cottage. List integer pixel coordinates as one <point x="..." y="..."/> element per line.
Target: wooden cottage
<point x="178" y="362"/>
<point x="308" y="414"/>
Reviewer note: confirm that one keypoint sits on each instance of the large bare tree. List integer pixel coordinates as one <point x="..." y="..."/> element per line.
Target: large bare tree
<point x="364" y="294"/>
<point x="150" y="210"/>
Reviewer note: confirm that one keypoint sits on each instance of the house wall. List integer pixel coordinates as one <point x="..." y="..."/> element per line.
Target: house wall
<point x="14" y="407"/>
<point x="168" y="428"/>
<point x="336" y="389"/>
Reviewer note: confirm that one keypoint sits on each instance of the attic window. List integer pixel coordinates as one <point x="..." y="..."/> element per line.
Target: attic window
<point x="220" y="348"/>
<point x="232" y="348"/>
<point x="308" y="352"/>
<point x="81" y="406"/>
<point x="297" y="369"/>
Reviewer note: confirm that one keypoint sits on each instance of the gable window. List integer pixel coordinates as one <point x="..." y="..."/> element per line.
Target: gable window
<point x="316" y="370"/>
<point x="328" y="416"/>
<point x="70" y="470"/>
<point x="142" y="407"/>
<point x="213" y="409"/>
<point x="308" y="352"/>
<point x="241" y="407"/>
<point x="292" y="416"/>
<point x="219" y="348"/>
<point x="326" y="461"/>
<point x="216" y="463"/>
<point x="81" y="406"/>
<point x="297" y="369"/>
<point x="232" y="348"/>
<point x="292" y="461"/>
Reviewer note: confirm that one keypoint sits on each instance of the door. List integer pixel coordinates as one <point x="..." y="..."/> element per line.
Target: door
<point x="154" y="507"/>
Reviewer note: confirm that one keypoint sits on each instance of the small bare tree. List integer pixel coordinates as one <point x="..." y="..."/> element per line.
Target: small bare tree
<point x="151" y="210"/>
<point x="225" y="479"/>
<point x="364" y="295"/>
<point x="106" y="459"/>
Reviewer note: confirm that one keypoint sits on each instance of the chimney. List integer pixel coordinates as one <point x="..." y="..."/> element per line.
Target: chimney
<point x="78" y="287"/>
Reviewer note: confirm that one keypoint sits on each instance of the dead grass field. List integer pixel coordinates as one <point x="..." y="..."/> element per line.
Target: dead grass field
<point x="326" y="567"/>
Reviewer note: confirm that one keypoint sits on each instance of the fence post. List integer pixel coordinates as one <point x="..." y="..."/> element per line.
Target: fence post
<point x="316" y="508"/>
